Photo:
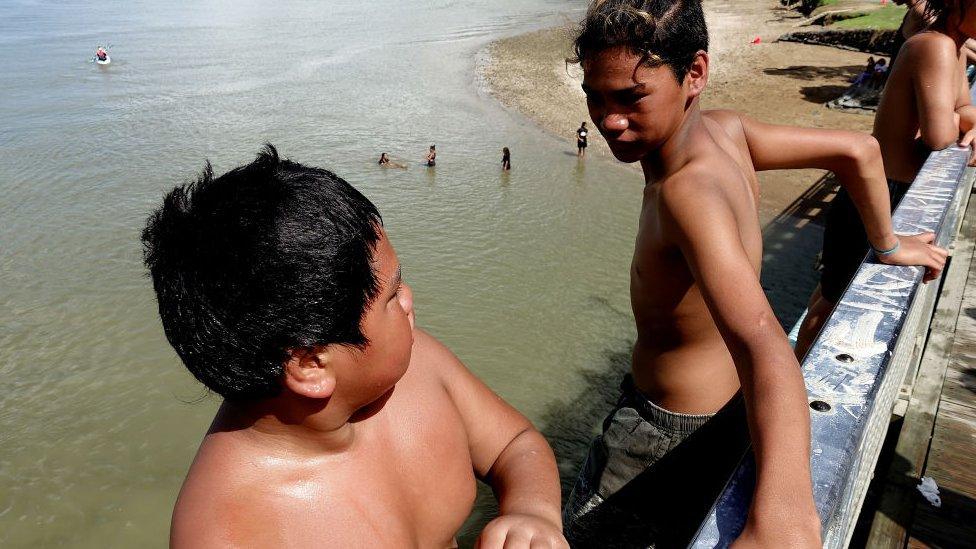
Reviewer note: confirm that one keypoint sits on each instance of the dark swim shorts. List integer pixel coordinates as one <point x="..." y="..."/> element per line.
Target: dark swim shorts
<point x="652" y="476"/>
<point x="845" y="243"/>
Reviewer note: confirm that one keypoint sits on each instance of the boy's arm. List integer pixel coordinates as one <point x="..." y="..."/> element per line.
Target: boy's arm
<point x="936" y="94"/>
<point x="782" y="513"/>
<point x="855" y="158"/>
<point x="507" y="453"/>
<point x="964" y="107"/>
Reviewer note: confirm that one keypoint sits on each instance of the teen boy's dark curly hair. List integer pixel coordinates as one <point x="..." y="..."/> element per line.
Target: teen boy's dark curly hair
<point x="662" y="32"/>
<point x="268" y="257"/>
<point x="938" y="10"/>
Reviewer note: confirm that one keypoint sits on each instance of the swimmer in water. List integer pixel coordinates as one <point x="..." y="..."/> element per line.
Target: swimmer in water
<point x="387" y="163"/>
<point x="431" y="157"/>
<point x="506" y="159"/>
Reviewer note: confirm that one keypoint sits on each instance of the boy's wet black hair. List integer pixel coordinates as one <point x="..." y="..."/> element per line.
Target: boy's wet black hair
<point x="269" y="257"/>
<point x="938" y="10"/>
<point x="662" y="32"/>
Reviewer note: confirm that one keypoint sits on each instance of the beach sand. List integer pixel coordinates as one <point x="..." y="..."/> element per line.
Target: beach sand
<point x="776" y="82"/>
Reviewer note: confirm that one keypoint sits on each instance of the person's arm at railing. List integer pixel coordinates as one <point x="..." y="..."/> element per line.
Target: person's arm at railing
<point x="782" y="512"/>
<point x="855" y="158"/>
<point x="964" y="106"/>
<point x="937" y="97"/>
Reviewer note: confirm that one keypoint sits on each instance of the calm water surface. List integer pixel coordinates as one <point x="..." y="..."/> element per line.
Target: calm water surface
<point x="523" y="275"/>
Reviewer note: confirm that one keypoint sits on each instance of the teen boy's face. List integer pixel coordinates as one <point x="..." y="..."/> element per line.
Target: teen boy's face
<point x="388" y="326"/>
<point x="635" y="107"/>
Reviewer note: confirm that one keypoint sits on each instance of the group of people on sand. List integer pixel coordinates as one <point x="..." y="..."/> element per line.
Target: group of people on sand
<point x="430" y="159"/>
<point x="344" y="424"/>
<point x="874" y="74"/>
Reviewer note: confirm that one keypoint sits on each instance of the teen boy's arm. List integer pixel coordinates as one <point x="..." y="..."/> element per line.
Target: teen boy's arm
<point x="965" y="108"/>
<point x="937" y="67"/>
<point x="509" y="454"/>
<point x="855" y="158"/>
<point x="782" y="513"/>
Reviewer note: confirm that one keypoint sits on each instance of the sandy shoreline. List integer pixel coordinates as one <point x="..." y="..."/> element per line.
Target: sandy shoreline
<point x="777" y="82"/>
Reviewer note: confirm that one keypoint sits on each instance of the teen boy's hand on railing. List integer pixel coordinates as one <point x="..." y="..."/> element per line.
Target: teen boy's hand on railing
<point x="521" y="531"/>
<point x="967" y="141"/>
<point x="916" y="250"/>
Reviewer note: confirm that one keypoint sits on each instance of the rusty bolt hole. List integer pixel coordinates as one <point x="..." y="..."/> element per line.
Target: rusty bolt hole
<point x="820" y="406"/>
<point x="844" y="357"/>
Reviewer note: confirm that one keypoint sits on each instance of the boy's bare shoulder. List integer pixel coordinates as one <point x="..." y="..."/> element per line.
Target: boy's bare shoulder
<point x="215" y="504"/>
<point x="431" y="358"/>
<point x="929" y="45"/>
<point x="694" y="188"/>
<point x="729" y="120"/>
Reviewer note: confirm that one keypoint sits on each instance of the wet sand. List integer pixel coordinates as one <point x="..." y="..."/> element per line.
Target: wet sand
<point x="776" y="82"/>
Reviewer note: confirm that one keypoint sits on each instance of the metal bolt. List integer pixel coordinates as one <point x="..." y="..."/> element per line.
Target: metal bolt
<point x="820" y="406"/>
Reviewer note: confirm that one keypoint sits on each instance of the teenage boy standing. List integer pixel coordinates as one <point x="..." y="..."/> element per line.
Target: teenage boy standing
<point x="710" y="356"/>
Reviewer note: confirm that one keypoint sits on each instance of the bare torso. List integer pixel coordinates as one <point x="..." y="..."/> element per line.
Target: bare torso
<point x="406" y="480"/>
<point x="680" y="359"/>
<point x="896" y="124"/>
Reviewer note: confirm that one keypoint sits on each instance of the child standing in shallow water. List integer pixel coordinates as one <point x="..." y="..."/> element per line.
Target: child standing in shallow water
<point x="581" y="137"/>
<point x="342" y="424"/>
<point x="506" y="159"/>
<point x="711" y="367"/>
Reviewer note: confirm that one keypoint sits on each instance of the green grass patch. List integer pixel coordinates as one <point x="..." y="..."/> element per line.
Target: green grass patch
<point x="886" y="18"/>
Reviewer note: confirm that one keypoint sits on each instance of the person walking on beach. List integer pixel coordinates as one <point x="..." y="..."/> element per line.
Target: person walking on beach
<point x="711" y="367"/>
<point x="506" y="159"/>
<point x="925" y="107"/>
<point x="581" y="134"/>
<point x="431" y="157"/>
<point x="342" y="423"/>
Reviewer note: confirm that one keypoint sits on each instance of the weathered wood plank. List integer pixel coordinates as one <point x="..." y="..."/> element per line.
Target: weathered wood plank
<point x="950" y="464"/>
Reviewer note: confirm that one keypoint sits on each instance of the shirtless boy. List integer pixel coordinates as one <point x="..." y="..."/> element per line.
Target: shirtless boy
<point x="925" y="107"/>
<point x="342" y="425"/>
<point x="711" y="365"/>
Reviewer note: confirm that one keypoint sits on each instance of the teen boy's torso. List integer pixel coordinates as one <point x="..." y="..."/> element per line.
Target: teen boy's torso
<point x="680" y="360"/>
<point x="406" y="480"/>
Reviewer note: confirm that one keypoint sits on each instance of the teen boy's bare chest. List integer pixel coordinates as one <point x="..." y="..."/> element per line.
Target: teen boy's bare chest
<point x="662" y="290"/>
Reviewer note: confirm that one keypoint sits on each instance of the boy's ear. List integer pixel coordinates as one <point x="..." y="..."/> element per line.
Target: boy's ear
<point x="697" y="75"/>
<point x="309" y="372"/>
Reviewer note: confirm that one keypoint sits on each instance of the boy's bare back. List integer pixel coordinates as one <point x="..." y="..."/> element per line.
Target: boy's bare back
<point x="405" y="480"/>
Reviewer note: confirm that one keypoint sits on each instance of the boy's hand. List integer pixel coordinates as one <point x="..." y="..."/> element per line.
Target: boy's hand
<point x="520" y="531"/>
<point x="919" y="250"/>
<point x="967" y="141"/>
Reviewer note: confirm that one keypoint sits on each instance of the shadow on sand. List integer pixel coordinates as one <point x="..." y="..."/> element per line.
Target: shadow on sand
<point x="814" y="72"/>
